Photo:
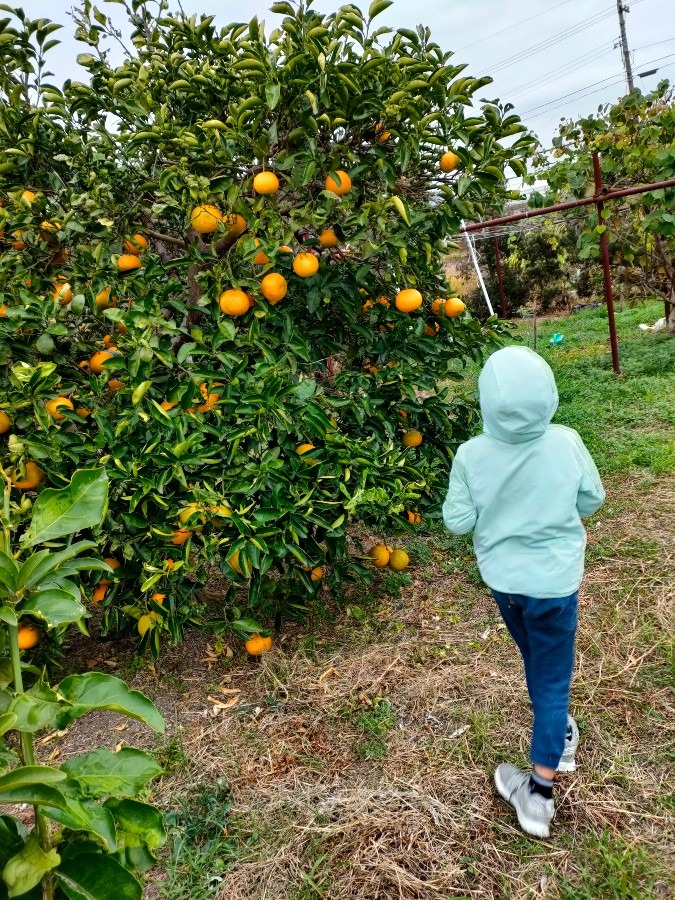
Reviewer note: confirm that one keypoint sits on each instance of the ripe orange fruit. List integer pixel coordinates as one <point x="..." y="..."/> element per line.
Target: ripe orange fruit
<point x="135" y="245"/>
<point x="341" y="189"/>
<point x="115" y="384"/>
<point x="181" y="536"/>
<point x="379" y="555"/>
<point x="412" y="438"/>
<point x="383" y="137"/>
<point x="398" y="560"/>
<point x="82" y="411"/>
<point x="100" y="357"/>
<point x="158" y="598"/>
<point x="432" y="332"/>
<point x="127" y="262"/>
<point x="5" y="422"/>
<point x="305" y="265"/>
<point x="219" y="512"/>
<point x="103" y="300"/>
<point x="414" y="517"/>
<point x="169" y="564"/>
<point x="205" y="219"/>
<point x="34" y="476"/>
<point x="328" y="239"/>
<point x="234" y="562"/>
<point x="234" y="302"/>
<point x="257" y="645"/>
<point x="304" y="448"/>
<point x="114" y="564"/>
<point x="260" y="258"/>
<point x="453" y="307"/>
<point x="274" y="287"/>
<point x="408" y="300"/>
<point x="236" y="224"/>
<point x="266" y="183"/>
<point x="27" y="197"/>
<point x="62" y="292"/>
<point x="145" y="623"/>
<point x="98" y="596"/>
<point x="437" y="307"/>
<point x="449" y="161"/>
<point x="29" y="636"/>
<point x="317" y="573"/>
<point x="3" y="311"/>
<point x="168" y="404"/>
<point x="52" y="407"/>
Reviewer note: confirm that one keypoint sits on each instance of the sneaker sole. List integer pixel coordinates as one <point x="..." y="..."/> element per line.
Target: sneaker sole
<point x="530" y="826"/>
<point x="567" y="766"/>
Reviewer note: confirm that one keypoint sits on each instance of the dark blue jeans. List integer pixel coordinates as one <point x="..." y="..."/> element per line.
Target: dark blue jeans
<point x="544" y="631"/>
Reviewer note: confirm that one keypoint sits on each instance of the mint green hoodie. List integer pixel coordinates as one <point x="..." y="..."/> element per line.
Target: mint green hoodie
<point x="523" y="485"/>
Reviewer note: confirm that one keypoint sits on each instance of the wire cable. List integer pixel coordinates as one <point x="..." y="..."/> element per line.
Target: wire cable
<point x="515" y="25"/>
<point x="573" y="93"/>
<point x="572" y="30"/>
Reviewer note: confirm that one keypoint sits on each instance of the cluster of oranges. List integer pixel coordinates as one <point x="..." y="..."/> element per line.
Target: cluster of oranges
<point x="382" y="555"/>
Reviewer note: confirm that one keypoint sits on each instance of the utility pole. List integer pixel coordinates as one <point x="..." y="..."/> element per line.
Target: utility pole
<point x="624" y="44"/>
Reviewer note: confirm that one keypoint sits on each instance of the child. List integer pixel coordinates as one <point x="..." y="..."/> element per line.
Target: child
<point x="523" y="487"/>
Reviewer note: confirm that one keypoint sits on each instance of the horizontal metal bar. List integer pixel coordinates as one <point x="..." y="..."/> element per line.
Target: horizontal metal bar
<point x="603" y="197"/>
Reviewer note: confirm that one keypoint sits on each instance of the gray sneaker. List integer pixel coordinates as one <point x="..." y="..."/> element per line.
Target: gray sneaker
<point x="567" y="760"/>
<point x="534" y="812"/>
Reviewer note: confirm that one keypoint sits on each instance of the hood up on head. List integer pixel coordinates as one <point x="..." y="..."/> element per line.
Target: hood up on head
<point x="518" y="395"/>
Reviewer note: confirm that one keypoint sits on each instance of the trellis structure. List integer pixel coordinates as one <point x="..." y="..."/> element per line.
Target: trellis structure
<point x="602" y="195"/>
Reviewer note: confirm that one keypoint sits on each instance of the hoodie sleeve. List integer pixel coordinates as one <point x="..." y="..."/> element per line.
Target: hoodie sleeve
<point x="459" y="512"/>
<point x="591" y="494"/>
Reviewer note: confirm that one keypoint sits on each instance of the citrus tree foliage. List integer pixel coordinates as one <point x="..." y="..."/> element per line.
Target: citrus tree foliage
<point x="198" y="413"/>
<point x="86" y="835"/>
<point x="636" y="142"/>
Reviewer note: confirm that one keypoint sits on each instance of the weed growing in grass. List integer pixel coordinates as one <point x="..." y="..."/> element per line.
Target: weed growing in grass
<point x="200" y="846"/>
<point x="375" y="724"/>
<point x="613" y="868"/>
<point x="394" y="583"/>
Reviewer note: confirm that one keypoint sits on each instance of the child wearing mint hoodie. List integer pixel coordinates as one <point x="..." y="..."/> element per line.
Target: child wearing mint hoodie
<point x="523" y="487"/>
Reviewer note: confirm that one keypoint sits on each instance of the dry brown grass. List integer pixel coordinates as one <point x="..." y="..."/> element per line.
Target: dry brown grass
<point x="312" y="818"/>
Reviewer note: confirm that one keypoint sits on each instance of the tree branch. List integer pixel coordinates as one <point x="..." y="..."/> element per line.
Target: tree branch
<point x="167" y="238"/>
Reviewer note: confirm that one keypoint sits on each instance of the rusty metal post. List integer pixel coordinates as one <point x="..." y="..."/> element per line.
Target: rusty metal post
<point x="604" y="251"/>
<point x="498" y="257"/>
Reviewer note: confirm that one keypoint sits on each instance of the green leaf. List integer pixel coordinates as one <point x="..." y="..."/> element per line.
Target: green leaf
<point x="305" y="389"/>
<point x="95" y="690"/>
<point x="8" y="571"/>
<point x="32" y="784"/>
<point x="92" y="876"/>
<point x="40" y="564"/>
<point x="54" y="606"/>
<point x="272" y="94"/>
<point x="7" y="722"/>
<point x="139" y="392"/>
<point x="102" y="773"/>
<point x="138" y="824"/>
<point x="8" y="615"/>
<point x="36" y="708"/>
<point x="25" y="870"/>
<point x="378" y="6"/>
<point x="59" y="512"/>
<point x="86" y="815"/>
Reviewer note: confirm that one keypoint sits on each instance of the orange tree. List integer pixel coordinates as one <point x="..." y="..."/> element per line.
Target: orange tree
<point x="219" y="265"/>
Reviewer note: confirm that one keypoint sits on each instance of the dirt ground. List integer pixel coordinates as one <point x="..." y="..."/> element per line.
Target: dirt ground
<point x="358" y="759"/>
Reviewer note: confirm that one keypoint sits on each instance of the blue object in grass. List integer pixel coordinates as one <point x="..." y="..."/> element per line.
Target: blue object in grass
<point x="556" y="339"/>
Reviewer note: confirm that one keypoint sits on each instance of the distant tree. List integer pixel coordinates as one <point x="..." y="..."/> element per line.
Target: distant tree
<point x="636" y="141"/>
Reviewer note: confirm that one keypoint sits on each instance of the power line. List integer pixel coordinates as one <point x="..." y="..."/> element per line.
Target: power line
<point x="554" y="39"/>
<point x="560" y="71"/>
<point x="515" y="25"/>
<point x="573" y="93"/>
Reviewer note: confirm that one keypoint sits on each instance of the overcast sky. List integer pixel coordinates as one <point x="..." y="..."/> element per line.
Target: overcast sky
<point x="551" y="58"/>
